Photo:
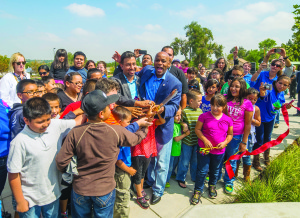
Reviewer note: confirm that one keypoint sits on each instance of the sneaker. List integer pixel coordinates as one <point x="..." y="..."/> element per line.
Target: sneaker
<point x="212" y="191"/>
<point x="276" y="125"/>
<point x="228" y="189"/>
<point x="196" y="198"/>
<point x="206" y="179"/>
<point x="167" y="185"/>
<point x="64" y="215"/>
<point x="147" y="198"/>
<point x="142" y="202"/>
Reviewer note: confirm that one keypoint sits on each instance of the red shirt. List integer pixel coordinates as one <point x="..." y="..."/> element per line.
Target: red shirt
<point x="147" y="147"/>
<point x="71" y="107"/>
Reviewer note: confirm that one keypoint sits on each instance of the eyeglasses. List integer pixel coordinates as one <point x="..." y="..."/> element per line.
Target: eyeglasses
<point x="236" y="75"/>
<point x="19" y="63"/>
<point x="78" y="83"/>
<point x="33" y="93"/>
<point x="277" y="65"/>
<point x="215" y="73"/>
<point x="43" y="73"/>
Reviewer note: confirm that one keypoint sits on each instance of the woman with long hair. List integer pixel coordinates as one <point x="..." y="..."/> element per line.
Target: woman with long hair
<point x="59" y="66"/>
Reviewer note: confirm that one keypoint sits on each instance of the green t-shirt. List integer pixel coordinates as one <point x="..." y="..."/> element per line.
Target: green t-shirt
<point x="225" y="88"/>
<point x="176" y="146"/>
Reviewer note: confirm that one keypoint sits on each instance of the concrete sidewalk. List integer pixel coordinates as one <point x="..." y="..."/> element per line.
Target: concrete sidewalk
<point x="176" y="201"/>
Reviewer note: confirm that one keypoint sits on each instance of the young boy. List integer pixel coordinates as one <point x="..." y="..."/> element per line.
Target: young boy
<point x="54" y="103"/>
<point x="124" y="169"/>
<point x="190" y="143"/>
<point x="237" y="71"/>
<point x="49" y="83"/>
<point x="96" y="146"/>
<point x="176" y="144"/>
<point x="94" y="73"/>
<point x="192" y="74"/>
<point x="41" y="88"/>
<point x="32" y="174"/>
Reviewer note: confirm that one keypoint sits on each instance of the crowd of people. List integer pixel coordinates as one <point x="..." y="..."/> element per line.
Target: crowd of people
<point x="76" y="137"/>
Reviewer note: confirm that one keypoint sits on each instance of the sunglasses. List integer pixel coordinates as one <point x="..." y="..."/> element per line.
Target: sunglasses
<point x="19" y="63"/>
<point x="193" y="87"/>
<point x="43" y="73"/>
<point x="277" y="65"/>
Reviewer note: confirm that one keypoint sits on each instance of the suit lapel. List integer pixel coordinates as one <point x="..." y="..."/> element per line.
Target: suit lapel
<point x="163" y="86"/>
<point x="125" y="86"/>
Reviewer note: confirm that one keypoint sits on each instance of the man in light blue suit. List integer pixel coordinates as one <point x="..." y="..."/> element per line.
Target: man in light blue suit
<point x="155" y="85"/>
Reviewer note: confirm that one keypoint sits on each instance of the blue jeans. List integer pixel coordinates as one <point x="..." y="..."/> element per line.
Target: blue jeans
<point x="175" y="164"/>
<point x="211" y="162"/>
<point x="277" y="117"/>
<point x="231" y="149"/>
<point x="159" y="167"/>
<point x="3" y="172"/>
<point x="48" y="211"/>
<point x="188" y="157"/>
<point x="246" y="158"/>
<point x="172" y="166"/>
<point x="263" y="133"/>
<point x="103" y="206"/>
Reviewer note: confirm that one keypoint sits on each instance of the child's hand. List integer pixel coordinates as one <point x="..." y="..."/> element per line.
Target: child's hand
<point x="132" y="171"/>
<point x="242" y="147"/>
<point x="221" y="145"/>
<point x="143" y="122"/>
<point x="187" y="132"/>
<point x="288" y="106"/>
<point x="208" y="144"/>
<point x="23" y="206"/>
<point x="184" y="127"/>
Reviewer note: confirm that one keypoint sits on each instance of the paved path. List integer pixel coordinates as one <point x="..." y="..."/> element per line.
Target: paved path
<point x="175" y="201"/>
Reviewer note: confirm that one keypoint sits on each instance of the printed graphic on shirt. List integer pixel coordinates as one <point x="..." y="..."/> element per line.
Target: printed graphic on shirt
<point x="205" y="107"/>
<point x="235" y="112"/>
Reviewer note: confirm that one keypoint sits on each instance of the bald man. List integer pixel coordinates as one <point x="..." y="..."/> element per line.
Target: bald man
<point x="155" y="85"/>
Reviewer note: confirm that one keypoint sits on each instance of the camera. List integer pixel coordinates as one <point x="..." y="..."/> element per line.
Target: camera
<point x="277" y="50"/>
<point x="268" y="86"/>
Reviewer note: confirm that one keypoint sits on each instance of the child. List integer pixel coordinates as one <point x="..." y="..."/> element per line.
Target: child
<point x="217" y="74"/>
<point x="49" y="83"/>
<point x="94" y="73"/>
<point x="211" y="88"/>
<point x="240" y="110"/>
<point x="269" y="103"/>
<point x="191" y="75"/>
<point x="54" y="103"/>
<point x="141" y="155"/>
<point x="33" y="177"/>
<point x="194" y="84"/>
<point x="41" y="88"/>
<point x="59" y="66"/>
<point x="43" y="70"/>
<point x="252" y="95"/>
<point x="189" y="144"/>
<point x="176" y="144"/>
<point x="123" y="117"/>
<point x="101" y="65"/>
<point x="214" y="130"/>
<point x="96" y="145"/>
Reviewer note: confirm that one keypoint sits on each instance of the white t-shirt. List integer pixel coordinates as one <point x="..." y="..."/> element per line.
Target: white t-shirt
<point x="8" y="89"/>
<point x="33" y="156"/>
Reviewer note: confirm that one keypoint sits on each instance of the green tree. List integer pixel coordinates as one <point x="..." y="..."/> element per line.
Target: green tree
<point x="182" y="46"/>
<point x="71" y="58"/>
<point x="242" y="53"/>
<point x="255" y="56"/>
<point x="4" y="63"/>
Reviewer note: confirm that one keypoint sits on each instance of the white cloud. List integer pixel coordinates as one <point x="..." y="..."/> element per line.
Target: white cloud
<point x="122" y="5"/>
<point x="151" y="37"/>
<point x="3" y="14"/>
<point x="49" y="37"/>
<point x="85" y="10"/>
<point x="188" y="13"/>
<point x="151" y="27"/>
<point x="280" y="21"/>
<point x="261" y="7"/>
<point x="156" y="6"/>
<point x="81" y="32"/>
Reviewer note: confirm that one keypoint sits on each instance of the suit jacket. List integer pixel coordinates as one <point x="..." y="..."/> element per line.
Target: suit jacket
<point x="124" y="92"/>
<point x="163" y="133"/>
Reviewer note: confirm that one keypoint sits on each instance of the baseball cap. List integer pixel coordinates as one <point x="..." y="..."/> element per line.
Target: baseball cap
<point x="175" y="60"/>
<point x="97" y="101"/>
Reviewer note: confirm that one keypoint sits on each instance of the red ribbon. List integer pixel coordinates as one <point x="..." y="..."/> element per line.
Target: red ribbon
<point x="262" y="148"/>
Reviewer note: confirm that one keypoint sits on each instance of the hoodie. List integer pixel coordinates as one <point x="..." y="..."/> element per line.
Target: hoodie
<point x="16" y="122"/>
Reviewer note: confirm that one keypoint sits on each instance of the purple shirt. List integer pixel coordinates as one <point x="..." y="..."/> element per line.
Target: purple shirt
<point x="214" y="130"/>
<point x="237" y="114"/>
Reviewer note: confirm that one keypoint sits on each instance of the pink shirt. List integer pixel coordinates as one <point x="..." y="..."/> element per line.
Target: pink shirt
<point x="214" y="130"/>
<point x="237" y="114"/>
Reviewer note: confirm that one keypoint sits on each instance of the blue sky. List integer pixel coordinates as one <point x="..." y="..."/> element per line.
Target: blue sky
<point x="101" y="27"/>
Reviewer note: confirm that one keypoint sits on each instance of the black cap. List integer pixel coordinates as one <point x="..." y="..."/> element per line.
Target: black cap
<point x="97" y="101"/>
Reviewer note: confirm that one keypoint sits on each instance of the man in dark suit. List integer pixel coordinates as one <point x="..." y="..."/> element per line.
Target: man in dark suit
<point x="155" y="85"/>
<point x="298" y="90"/>
<point x="129" y="82"/>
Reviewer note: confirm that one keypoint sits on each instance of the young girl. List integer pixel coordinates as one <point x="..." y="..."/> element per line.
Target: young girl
<point x="217" y="74"/>
<point x="269" y="104"/>
<point x="73" y="85"/>
<point x="252" y="95"/>
<point x="211" y="88"/>
<point x="240" y="110"/>
<point x="59" y="66"/>
<point x="214" y="130"/>
<point x="102" y="67"/>
<point x="90" y="64"/>
<point x="140" y="156"/>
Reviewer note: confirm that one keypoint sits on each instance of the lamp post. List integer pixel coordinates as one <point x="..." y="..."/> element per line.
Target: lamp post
<point x="54" y="51"/>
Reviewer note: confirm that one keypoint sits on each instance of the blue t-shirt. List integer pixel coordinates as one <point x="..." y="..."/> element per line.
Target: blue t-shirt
<point x="125" y="152"/>
<point x="263" y="77"/>
<point x="265" y="104"/>
<point x="205" y="105"/>
<point x="4" y="129"/>
<point x="247" y="78"/>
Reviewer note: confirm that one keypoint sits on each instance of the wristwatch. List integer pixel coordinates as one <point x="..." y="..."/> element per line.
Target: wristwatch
<point x="286" y="57"/>
<point x="244" y="143"/>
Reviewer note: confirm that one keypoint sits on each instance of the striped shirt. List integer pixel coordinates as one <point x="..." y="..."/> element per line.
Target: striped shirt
<point x="190" y="117"/>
